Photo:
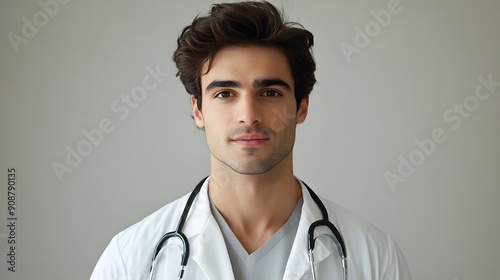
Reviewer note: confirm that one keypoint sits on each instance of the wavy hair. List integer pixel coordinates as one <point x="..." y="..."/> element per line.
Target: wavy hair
<point x="244" y="23"/>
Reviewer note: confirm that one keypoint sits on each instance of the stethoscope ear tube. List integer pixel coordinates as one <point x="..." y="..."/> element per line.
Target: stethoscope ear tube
<point x="189" y="202"/>
<point x="311" y="240"/>
<point x="323" y="222"/>
<point x="178" y="233"/>
<point x="185" y="251"/>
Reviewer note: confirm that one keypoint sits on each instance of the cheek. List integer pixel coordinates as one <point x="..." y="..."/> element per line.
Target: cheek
<point x="283" y="115"/>
<point x="214" y="132"/>
<point x="213" y="123"/>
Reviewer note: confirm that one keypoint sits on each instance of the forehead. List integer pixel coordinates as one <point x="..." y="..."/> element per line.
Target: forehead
<point x="247" y="63"/>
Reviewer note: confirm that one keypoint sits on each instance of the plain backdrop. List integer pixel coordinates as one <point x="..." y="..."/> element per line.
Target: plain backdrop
<point x="384" y="85"/>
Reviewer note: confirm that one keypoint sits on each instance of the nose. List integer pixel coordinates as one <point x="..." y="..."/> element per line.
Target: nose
<point x="248" y="110"/>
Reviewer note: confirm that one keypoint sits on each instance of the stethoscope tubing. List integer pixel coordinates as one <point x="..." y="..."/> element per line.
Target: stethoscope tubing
<point x="179" y="234"/>
<point x="310" y="235"/>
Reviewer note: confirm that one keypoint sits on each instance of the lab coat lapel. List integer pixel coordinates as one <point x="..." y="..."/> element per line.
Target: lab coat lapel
<point x="210" y="252"/>
<point x="298" y="261"/>
<point x="208" y="248"/>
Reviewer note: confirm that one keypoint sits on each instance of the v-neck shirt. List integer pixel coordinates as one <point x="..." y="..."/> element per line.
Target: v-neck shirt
<point x="267" y="262"/>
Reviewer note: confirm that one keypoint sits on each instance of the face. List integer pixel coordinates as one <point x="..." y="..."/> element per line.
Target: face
<point x="249" y="112"/>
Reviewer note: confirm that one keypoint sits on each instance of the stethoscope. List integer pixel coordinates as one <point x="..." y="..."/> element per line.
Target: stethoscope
<point x="310" y="236"/>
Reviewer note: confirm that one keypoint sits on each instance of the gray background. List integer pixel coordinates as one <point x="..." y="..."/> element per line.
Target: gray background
<point x="363" y="115"/>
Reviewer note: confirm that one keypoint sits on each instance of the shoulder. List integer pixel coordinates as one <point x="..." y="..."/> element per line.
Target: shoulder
<point x="356" y="229"/>
<point x="130" y="251"/>
<point x="153" y="226"/>
<point x="352" y="223"/>
<point x="368" y="247"/>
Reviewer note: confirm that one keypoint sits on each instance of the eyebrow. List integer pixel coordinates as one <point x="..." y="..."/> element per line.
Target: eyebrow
<point x="219" y="84"/>
<point x="257" y="83"/>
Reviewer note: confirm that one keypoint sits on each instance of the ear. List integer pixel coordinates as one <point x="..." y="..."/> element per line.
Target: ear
<point x="197" y="114"/>
<point x="303" y="107"/>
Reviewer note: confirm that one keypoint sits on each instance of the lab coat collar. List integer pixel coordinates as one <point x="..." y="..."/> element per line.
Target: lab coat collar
<point x="208" y="248"/>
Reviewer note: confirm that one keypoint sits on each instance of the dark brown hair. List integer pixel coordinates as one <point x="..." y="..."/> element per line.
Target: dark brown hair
<point x="244" y="23"/>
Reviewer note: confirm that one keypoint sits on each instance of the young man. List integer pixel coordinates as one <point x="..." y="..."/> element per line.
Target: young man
<point x="249" y="75"/>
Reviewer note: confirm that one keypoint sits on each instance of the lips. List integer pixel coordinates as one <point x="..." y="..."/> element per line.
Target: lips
<point x="251" y="139"/>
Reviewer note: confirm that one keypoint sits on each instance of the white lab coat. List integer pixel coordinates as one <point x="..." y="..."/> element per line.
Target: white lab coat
<point x="371" y="254"/>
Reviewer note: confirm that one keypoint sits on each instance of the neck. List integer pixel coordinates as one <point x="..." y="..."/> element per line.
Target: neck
<point x="255" y="206"/>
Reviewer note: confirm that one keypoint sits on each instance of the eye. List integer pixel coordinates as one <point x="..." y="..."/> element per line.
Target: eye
<point x="271" y="93"/>
<point x="223" y="94"/>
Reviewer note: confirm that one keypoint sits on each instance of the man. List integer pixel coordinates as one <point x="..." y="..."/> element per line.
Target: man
<point x="249" y="75"/>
